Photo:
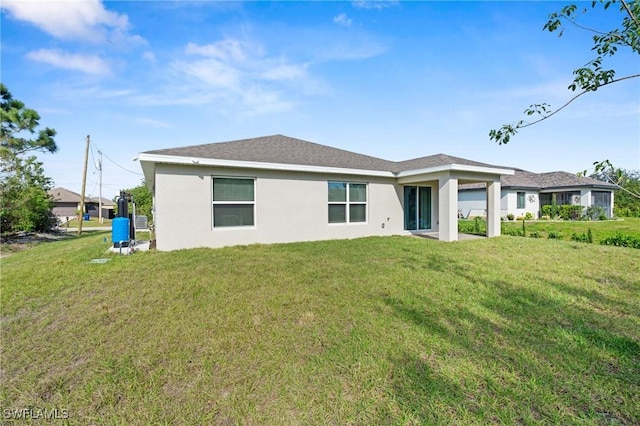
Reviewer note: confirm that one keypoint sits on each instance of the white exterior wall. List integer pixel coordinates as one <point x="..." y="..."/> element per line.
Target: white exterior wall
<point x="530" y="205"/>
<point x="289" y="206"/>
<point x="476" y="200"/>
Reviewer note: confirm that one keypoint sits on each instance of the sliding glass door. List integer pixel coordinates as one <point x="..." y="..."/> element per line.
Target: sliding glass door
<point x="417" y="208"/>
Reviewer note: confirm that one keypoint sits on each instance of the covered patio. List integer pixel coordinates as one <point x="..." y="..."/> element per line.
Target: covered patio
<point x="443" y="182"/>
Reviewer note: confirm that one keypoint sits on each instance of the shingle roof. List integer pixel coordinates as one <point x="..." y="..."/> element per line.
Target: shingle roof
<point x="565" y="179"/>
<point x="279" y="149"/>
<point x="286" y="150"/>
<point x="66" y="196"/>
<point x="437" y="160"/>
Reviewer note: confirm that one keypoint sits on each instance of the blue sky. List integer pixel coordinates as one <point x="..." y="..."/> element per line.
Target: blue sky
<point x="395" y="80"/>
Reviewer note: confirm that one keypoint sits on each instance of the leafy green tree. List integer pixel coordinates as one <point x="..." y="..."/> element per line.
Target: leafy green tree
<point x="627" y="196"/>
<point x="18" y="122"/>
<point x="26" y="205"/>
<point x="143" y="198"/>
<point x="593" y="75"/>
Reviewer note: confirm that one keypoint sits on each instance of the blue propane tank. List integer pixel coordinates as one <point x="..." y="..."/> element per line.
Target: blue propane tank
<point x="120" y="232"/>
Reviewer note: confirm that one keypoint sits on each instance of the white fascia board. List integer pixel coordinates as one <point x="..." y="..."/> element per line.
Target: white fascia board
<point x="214" y="162"/>
<point x="457" y="168"/>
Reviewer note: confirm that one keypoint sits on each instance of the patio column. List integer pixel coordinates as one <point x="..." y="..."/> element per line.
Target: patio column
<point x="610" y="208"/>
<point x="493" y="209"/>
<point x="448" y="208"/>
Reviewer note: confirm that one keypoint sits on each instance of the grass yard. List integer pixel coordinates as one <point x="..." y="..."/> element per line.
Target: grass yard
<point x="601" y="229"/>
<point x="94" y="222"/>
<point x="395" y="330"/>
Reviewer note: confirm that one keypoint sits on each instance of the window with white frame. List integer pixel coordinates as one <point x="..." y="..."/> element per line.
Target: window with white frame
<point x="233" y="201"/>
<point x="347" y="202"/>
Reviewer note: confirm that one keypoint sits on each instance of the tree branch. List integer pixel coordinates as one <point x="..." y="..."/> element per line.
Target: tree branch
<point x="573" y="99"/>
<point x="630" y="12"/>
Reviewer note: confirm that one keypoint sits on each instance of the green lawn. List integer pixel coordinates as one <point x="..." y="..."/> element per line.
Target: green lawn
<point x="600" y="229"/>
<point x="396" y="330"/>
<point x="91" y="223"/>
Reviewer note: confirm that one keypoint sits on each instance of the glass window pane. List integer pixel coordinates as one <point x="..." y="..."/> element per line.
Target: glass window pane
<point x="337" y="191"/>
<point x="410" y="208"/>
<point x="424" y="207"/>
<point x="357" y="192"/>
<point x="232" y="215"/>
<point x="232" y="189"/>
<point x="357" y="213"/>
<point x="337" y="213"/>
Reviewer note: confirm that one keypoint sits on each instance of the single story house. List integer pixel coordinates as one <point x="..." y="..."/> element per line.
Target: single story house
<point x="67" y="203"/>
<point x="276" y="189"/>
<point x="526" y="192"/>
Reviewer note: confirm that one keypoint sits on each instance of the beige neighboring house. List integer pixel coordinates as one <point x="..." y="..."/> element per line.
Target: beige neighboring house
<point x="277" y="189"/>
<point x="67" y="203"/>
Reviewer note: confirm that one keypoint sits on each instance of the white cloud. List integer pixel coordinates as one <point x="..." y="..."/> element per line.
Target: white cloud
<point x="89" y="64"/>
<point x="285" y="72"/>
<point x="149" y="56"/>
<point x="211" y="72"/>
<point x="375" y="4"/>
<point x="225" y="50"/>
<point x="73" y="19"/>
<point x="342" y="19"/>
<point x="235" y="75"/>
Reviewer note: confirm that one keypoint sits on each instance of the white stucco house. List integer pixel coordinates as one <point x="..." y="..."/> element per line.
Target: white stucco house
<point x="526" y="192"/>
<point x="276" y="189"/>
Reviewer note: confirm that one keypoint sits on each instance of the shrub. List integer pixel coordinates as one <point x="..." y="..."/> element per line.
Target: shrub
<point x="465" y="227"/>
<point x="510" y="216"/>
<point x="534" y="234"/>
<point x="581" y="238"/>
<point x="570" y="211"/>
<point x="550" y="210"/>
<point x="476" y="225"/>
<point x="554" y="235"/>
<point x="514" y="232"/>
<point x="595" y="213"/>
<point x="589" y="236"/>
<point x="622" y="240"/>
<point x="528" y="216"/>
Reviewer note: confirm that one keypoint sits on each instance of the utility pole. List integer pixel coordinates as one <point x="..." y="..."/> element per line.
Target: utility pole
<point x="100" y="220"/>
<point x="84" y="184"/>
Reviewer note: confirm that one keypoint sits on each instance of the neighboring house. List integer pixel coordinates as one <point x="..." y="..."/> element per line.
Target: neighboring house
<point x="280" y="189"/>
<point x="67" y="203"/>
<point x="526" y="192"/>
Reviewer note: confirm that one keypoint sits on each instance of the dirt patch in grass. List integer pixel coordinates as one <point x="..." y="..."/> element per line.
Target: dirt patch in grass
<point x="14" y="243"/>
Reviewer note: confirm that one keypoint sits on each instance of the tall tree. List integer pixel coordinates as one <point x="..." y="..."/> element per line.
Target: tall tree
<point x="26" y="205"/>
<point x="591" y="76"/>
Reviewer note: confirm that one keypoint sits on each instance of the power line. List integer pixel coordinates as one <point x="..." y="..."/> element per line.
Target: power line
<point x="123" y="168"/>
<point x="93" y="159"/>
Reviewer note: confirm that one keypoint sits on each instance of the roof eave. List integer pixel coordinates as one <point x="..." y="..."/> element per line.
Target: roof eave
<point x="215" y="162"/>
<point x="456" y="168"/>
